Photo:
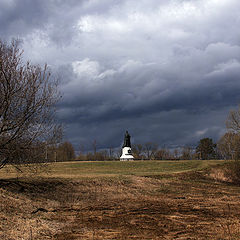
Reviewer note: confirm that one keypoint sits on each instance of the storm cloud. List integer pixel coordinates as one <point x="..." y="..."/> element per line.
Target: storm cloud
<point x="168" y="71"/>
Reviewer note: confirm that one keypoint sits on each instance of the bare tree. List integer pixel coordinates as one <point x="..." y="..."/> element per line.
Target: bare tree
<point x="111" y="153"/>
<point x="176" y="154"/>
<point x="230" y="143"/>
<point x="163" y="154"/>
<point x="65" y="152"/>
<point x="81" y="155"/>
<point x="94" y="145"/>
<point x="28" y="95"/>
<point x="150" y="149"/>
<point x="138" y="151"/>
<point x="233" y="121"/>
<point x="186" y="153"/>
<point x="229" y="146"/>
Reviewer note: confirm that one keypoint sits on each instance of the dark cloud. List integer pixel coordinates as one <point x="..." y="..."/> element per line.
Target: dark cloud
<point x="168" y="71"/>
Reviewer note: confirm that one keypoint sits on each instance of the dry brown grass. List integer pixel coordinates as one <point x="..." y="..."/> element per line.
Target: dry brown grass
<point x="178" y="206"/>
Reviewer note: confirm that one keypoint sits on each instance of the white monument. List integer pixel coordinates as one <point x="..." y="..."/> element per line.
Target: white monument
<point x="126" y="148"/>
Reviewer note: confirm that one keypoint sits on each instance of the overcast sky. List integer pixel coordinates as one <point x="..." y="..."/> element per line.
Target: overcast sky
<point x="168" y="71"/>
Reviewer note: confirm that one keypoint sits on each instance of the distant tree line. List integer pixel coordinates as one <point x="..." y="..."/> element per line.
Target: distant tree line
<point x="227" y="147"/>
<point x="62" y="152"/>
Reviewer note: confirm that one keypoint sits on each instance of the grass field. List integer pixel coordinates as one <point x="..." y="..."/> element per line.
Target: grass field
<point x="116" y="168"/>
<point x="120" y="200"/>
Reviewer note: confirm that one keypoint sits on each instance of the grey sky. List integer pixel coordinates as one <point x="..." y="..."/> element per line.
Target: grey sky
<point x="168" y="71"/>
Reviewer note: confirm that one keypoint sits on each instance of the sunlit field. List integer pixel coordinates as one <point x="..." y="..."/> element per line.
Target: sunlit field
<point x="119" y="200"/>
<point x="112" y="168"/>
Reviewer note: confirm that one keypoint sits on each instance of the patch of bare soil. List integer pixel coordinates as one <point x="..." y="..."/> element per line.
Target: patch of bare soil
<point x="180" y="206"/>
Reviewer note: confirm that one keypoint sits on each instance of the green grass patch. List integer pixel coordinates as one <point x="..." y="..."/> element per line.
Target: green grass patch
<point x="117" y="168"/>
<point x="131" y="167"/>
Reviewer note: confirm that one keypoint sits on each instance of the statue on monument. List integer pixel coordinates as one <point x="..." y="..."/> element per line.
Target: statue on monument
<point x="126" y="148"/>
<point x="127" y="142"/>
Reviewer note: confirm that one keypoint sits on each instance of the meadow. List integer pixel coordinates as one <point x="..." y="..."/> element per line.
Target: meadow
<point x="80" y="169"/>
<point x="120" y="200"/>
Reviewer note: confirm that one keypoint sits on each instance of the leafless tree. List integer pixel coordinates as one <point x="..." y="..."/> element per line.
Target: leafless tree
<point x="65" y="152"/>
<point x="163" y="154"/>
<point x="28" y="95"/>
<point x="186" y="153"/>
<point x="229" y="146"/>
<point x="138" y="151"/>
<point x="81" y="155"/>
<point x="150" y="149"/>
<point x="111" y="153"/>
<point x="176" y="154"/>
<point x="94" y="145"/>
<point x="233" y="121"/>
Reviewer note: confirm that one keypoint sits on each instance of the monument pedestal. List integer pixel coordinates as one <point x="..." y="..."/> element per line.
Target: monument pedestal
<point x="126" y="148"/>
<point x="126" y="154"/>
